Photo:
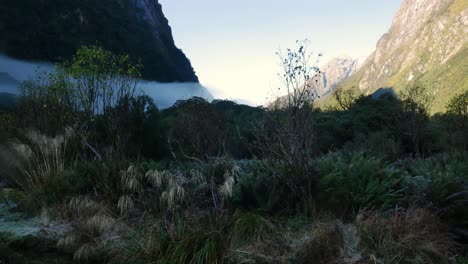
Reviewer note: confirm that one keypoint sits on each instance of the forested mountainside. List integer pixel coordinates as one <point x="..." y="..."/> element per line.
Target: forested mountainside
<point x="52" y="30"/>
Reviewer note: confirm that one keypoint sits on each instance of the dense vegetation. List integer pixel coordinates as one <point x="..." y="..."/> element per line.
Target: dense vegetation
<point x="53" y="30"/>
<point x="378" y="181"/>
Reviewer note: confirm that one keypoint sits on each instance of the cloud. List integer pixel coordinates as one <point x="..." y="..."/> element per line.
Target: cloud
<point x="13" y="72"/>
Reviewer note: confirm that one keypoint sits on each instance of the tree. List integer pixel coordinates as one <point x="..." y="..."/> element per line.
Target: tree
<point x="416" y="103"/>
<point x="458" y="106"/>
<point x="197" y="130"/>
<point x="45" y="103"/>
<point x="345" y="97"/>
<point x="457" y="117"/>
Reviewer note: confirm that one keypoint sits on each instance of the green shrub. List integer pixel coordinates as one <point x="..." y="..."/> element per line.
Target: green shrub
<point x="256" y="188"/>
<point x="441" y="182"/>
<point x="357" y="181"/>
<point x="382" y="144"/>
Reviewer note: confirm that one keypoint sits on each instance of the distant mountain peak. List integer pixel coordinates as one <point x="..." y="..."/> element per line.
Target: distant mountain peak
<point x="335" y="71"/>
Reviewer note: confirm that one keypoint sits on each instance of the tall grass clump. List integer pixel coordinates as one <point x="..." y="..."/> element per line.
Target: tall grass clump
<point x="404" y="236"/>
<point x="202" y="242"/>
<point x="94" y="228"/>
<point x="251" y="227"/>
<point x="324" y="245"/>
<point x="204" y="186"/>
<point x="36" y="169"/>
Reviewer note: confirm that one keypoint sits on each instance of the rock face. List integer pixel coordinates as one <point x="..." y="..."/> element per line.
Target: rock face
<point x="52" y="30"/>
<point x="428" y="43"/>
<point x="334" y="72"/>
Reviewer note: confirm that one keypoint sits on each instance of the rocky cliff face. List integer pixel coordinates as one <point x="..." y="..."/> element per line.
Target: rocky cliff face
<point x="334" y="72"/>
<point x="428" y="43"/>
<point x="52" y="30"/>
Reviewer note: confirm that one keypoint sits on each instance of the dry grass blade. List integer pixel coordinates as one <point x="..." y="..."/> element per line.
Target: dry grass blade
<point x="125" y="204"/>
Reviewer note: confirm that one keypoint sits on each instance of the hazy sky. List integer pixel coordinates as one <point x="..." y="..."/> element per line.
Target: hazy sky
<point x="232" y="43"/>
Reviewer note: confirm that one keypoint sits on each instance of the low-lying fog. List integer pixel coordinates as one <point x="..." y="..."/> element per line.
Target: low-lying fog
<point x="13" y="72"/>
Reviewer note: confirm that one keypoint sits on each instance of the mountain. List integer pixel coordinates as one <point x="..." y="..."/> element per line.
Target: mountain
<point x="52" y="30"/>
<point x="8" y="84"/>
<point x="334" y="72"/>
<point x="427" y="43"/>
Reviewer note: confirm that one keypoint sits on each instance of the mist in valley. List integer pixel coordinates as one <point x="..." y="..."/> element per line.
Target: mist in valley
<point x="13" y="72"/>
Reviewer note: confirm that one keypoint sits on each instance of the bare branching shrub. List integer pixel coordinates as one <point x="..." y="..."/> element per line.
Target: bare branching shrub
<point x="287" y="137"/>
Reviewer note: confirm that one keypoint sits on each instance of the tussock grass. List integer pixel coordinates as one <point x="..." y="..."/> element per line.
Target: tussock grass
<point x="94" y="227"/>
<point x="251" y="227"/>
<point x="204" y="242"/>
<point x="404" y="236"/>
<point x="36" y="170"/>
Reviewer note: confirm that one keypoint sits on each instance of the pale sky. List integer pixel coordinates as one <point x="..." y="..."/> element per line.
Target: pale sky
<point x="232" y="43"/>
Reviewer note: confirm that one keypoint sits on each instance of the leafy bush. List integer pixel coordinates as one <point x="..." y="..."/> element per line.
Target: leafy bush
<point x="442" y="183"/>
<point x="358" y="181"/>
<point x="256" y="188"/>
<point x="380" y="144"/>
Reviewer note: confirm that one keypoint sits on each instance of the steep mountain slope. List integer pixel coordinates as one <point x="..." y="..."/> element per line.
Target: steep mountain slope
<point x="335" y="71"/>
<point x="428" y="43"/>
<point x="52" y="30"/>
